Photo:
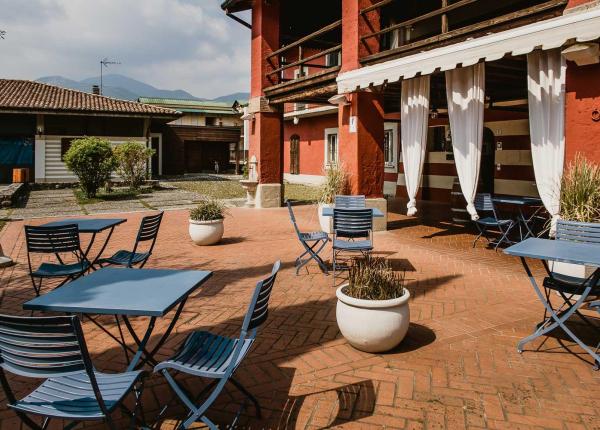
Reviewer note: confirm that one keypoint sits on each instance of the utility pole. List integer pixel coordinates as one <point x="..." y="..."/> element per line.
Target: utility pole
<point x="105" y="62"/>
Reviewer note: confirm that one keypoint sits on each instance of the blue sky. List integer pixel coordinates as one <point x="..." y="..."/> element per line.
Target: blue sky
<point x="171" y="44"/>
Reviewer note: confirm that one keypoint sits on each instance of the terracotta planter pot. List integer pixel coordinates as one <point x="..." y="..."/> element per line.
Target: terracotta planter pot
<point x="205" y="233"/>
<point x="373" y="325"/>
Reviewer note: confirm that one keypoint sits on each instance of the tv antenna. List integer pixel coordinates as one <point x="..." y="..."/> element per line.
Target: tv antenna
<point x="105" y="62"/>
<point x="2" y="34"/>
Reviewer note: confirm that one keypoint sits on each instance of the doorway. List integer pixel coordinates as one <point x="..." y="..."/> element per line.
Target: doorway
<point x="487" y="169"/>
<point x="156" y="160"/>
<point x="295" y="155"/>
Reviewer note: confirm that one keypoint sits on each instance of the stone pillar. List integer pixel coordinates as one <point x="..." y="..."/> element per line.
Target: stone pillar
<point x="266" y="129"/>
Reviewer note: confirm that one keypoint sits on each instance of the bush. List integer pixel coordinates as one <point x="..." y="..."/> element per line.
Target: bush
<point x="91" y="159"/>
<point x="132" y="160"/>
<point x="580" y="191"/>
<point x="336" y="183"/>
<point x="372" y="278"/>
<point x="208" y="210"/>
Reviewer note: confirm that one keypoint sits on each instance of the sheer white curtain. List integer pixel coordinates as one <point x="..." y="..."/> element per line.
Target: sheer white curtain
<point x="415" y="118"/>
<point x="546" y="83"/>
<point x="465" y="89"/>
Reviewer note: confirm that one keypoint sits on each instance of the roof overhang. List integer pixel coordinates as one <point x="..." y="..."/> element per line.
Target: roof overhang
<point x="549" y="34"/>
<point x="236" y="5"/>
<point x="37" y="111"/>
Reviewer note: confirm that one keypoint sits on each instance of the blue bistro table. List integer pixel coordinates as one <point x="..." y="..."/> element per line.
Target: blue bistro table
<point x="126" y="293"/>
<point x="328" y="211"/>
<point x="565" y="252"/>
<point x="93" y="227"/>
<point x="521" y="203"/>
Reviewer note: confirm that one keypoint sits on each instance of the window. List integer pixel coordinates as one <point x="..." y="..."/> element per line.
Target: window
<point x="331" y="147"/>
<point x="299" y="73"/>
<point x="388" y="147"/>
<point x="333" y="59"/>
<point x="211" y="121"/>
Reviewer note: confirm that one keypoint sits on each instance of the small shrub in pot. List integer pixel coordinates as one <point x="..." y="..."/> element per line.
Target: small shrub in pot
<point x="206" y="222"/>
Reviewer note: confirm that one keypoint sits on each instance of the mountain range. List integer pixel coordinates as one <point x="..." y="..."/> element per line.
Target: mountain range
<point x="126" y="88"/>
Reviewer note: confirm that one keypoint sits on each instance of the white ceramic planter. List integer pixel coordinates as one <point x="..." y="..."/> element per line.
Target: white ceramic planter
<point x="326" y="222"/>
<point x="373" y="325"/>
<point x="206" y="232"/>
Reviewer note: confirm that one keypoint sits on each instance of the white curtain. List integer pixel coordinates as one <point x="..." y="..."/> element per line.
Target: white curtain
<point x="414" y="122"/>
<point x="546" y="83"/>
<point x="465" y="89"/>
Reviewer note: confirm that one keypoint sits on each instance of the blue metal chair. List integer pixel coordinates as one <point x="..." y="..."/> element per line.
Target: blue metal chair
<point x="313" y="243"/>
<point x="569" y="286"/>
<point x="60" y="241"/>
<point x="147" y="233"/>
<point x="350" y="202"/>
<point x="349" y="225"/>
<point x="489" y="220"/>
<point x="217" y="357"/>
<point x="54" y="349"/>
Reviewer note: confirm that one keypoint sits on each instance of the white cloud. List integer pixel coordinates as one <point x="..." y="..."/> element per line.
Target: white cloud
<point x="171" y="44"/>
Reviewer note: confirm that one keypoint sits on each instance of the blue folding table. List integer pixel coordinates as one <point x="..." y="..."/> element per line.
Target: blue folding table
<point x="521" y="203"/>
<point x="565" y="252"/>
<point x="126" y="293"/>
<point x="91" y="226"/>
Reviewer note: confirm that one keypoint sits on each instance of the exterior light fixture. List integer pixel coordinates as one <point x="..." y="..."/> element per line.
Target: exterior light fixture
<point x="296" y="120"/>
<point x="434" y="113"/>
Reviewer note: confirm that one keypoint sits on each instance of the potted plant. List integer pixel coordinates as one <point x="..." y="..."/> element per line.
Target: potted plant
<point x="579" y="201"/>
<point x="336" y="183"/>
<point x="372" y="309"/>
<point x="206" y="222"/>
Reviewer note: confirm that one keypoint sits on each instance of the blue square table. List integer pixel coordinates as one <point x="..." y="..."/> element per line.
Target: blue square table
<point x="565" y="252"/>
<point x="126" y="293"/>
<point x="521" y="203"/>
<point x="92" y="226"/>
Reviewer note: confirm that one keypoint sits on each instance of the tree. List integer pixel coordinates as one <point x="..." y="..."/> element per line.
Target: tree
<point x="132" y="159"/>
<point x="93" y="161"/>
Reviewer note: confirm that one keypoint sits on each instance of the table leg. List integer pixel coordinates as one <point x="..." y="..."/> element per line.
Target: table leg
<point x="148" y="356"/>
<point x="99" y="254"/>
<point x="558" y="320"/>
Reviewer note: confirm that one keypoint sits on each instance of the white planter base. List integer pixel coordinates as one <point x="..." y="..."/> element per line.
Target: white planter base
<point x="373" y="325"/>
<point x="205" y="233"/>
<point x="326" y="222"/>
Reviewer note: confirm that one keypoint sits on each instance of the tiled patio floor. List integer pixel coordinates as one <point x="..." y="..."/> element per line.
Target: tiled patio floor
<point x="458" y="367"/>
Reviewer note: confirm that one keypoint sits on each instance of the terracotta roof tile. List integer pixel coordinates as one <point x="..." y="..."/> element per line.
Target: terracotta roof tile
<point x="29" y="95"/>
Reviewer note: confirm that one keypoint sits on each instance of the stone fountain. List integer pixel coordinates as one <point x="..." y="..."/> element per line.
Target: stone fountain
<point x="251" y="184"/>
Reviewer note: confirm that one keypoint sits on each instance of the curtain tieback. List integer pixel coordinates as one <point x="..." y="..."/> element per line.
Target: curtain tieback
<point x="412" y="207"/>
<point x="472" y="211"/>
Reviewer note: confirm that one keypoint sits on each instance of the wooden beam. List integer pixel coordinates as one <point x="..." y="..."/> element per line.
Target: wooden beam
<point x="376" y="6"/>
<point x="312" y="93"/>
<point x="315" y="78"/>
<point x="300" y="41"/>
<point x="419" y="18"/>
<point x="307" y="59"/>
<point x="508" y="18"/>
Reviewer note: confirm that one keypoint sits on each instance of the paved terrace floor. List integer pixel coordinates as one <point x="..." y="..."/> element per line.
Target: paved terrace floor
<point x="458" y="367"/>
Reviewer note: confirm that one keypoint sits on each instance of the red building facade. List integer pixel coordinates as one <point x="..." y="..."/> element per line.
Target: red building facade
<point x="305" y="53"/>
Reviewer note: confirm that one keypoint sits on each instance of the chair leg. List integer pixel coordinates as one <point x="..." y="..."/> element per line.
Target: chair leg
<point x="247" y="394"/>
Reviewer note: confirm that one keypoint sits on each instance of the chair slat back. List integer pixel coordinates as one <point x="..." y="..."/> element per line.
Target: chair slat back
<point x="293" y="217"/>
<point x="350" y="202"/>
<point x="258" y="311"/>
<point x="53" y="240"/>
<point x="149" y="227"/>
<point x="352" y="220"/>
<point x="578" y="232"/>
<point x="484" y="202"/>
<point x="42" y="347"/>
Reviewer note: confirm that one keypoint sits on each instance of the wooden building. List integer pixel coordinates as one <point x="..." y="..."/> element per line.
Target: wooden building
<point x="208" y="132"/>
<point x="39" y="121"/>
<point x="327" y="83"/>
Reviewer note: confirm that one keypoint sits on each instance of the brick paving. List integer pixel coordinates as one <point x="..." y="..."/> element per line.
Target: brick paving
<point x="457" y="368"/>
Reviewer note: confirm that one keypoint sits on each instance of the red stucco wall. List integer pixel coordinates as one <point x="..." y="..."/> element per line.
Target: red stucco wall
<point x="583" y="99"/>
<point x="312" y="143"/>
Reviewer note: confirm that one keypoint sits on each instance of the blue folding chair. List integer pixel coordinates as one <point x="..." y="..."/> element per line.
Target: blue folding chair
<point x="313" y="243"/>
<point x="60" y="241"/>
<point x="148" y="232"/>
<point x="489" y="221"/>
<point x="350" y="202"/>
<point x="569" y="286"/>
<point x="54" y="349"/>
<point x="352" y="233"/>
<point x="596" y="306"/>
<point x="217" y="357"/>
